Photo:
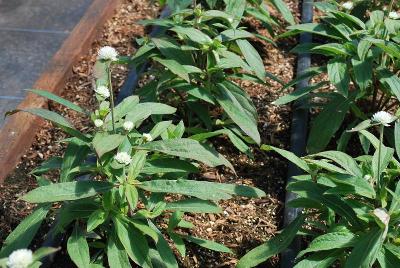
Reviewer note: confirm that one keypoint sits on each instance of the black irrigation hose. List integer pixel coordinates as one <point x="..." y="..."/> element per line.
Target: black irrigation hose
<point x="299" y="130"/>
<point x="127" y="89"/>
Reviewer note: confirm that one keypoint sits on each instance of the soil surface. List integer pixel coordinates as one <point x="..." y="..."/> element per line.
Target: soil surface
<point x="244" y="223"/>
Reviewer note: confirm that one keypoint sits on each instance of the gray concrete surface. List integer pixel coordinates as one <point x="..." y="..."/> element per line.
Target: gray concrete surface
<point x="31" y="31"/>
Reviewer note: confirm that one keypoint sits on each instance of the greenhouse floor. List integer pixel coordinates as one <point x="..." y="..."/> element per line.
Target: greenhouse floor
<point x="31" y="32"/>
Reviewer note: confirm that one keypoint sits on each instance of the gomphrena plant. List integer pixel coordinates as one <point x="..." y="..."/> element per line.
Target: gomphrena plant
<point x="362" y="67"/>
<point x="351" y="206"/>
<point x="120" y="213"/>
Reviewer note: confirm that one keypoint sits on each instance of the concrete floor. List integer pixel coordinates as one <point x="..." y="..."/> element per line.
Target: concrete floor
<point x="31" y="31"/>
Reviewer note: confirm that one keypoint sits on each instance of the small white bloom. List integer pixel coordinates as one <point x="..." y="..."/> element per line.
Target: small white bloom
<point x="383" y="118"/>
<point x="128" y="125"/>
<point x="123" y="158"/>
<point x="20" y="258"/>
<point x="147" y="137"/>
<point x="98" y="123"/>
<point x="394" y="15"/>
<point x="107" y="53"/>
<point x="103" y="91"/>
<point x="348" y="5"/>
<point x="367" y="177"/>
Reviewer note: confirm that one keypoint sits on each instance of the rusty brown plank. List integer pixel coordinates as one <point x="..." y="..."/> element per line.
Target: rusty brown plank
<point x="17" y="135"/>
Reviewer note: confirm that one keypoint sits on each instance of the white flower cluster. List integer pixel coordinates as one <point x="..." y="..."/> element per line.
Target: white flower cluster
<point x="107" y="53"/>
<point x="147" y="137"/>
<point x="394" y="15"/>
<point x="348" y="5"/>
<point x="20" y="258"/>
<point x="123" y="158"/>
<point x="103" y="91"/>
<point x="128" y="125"/>
<point x="383" y="118"/>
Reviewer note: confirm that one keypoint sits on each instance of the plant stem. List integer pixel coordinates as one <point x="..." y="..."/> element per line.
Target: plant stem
<point x="111" y="97"/>
<point x="381" y="129"/>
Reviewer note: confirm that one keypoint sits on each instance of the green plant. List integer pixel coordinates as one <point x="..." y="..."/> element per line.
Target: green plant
<point x="121" y="212"/>
<point x="351" y="206"/>
<point x="362" y="68"/>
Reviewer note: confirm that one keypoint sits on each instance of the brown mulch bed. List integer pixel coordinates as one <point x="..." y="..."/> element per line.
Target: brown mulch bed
<point x="244" y="223"/>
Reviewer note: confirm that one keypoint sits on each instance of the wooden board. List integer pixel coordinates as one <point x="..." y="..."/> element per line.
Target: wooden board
<point x="17" y="135"/>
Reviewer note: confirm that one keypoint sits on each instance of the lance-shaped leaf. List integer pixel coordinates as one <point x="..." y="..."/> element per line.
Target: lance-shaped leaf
<point x="194" y="205"/>
<point x="104" y="143"/>
<point x="252" y="57"/>
<point x="188" y="148"/>
<point x="67" y="191"/>
<point x="78" y="248"/>
<point x="201" y="189"/>
<point x="23" y="234"/>
<point x="208" y="244"/>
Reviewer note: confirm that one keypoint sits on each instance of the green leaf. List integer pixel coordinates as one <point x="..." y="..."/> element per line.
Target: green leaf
<point x="298" y="93"/>
<point x="272" y="247"/>
<point x="386" y="77"/>
<point x="284" y="11"/>
<point x="74" y="155"/>
<point x="194" y="205"/>
<point x="179" y="243"/>
<point x="387" y="259"/>
<point x="24" y="233"/>
<point x="233" y="34"/>
<point x="168" y="165"/>
<point x="164" y="249"/>
<point x="187" y="148"/>
<point x="78" y="248"/>
<point x="201" y="189"/>
<point x="208" y="244"/>
<point x="42" y="252"/>
<point x="172" y="51"/>
<point x="57" y="119"/>
<point x="122" y="109"/>
<point x="397" y="137"/>
<point x="134" y="243"/>
<point x="136" y="165"/>
<point x="327" y="123"/>
<point x="67" y="191"/>
<point x="338" y="73"/>
<point x="193" y="34"/>
<point x="362" y="72"/>
<point x="322" y="259"/>
<point x="252" y="57"/>
<point x="49" y="164"/>
<point x="58" y="99"/>
<point x="104" y="143"/>
<point x="175" y="67"/>
<point x="366" y="250"/>
<point x="95" y="219"/>
<point x="289" y="156"/>
<point x="316" y="28"/>
<point x="132" y="196"/>
<point x="237" y="112"/>
<point x="117" y="257"/>
<point x="329" y="241"/>
<point x="344" y="160"/>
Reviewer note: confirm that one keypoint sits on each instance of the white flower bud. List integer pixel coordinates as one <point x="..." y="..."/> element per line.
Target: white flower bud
<point x="383" y="118"/>
<point x="107" y="53"/>
<point x="20" y="258"/>
<point x="123" y="158"/>
<point x="394" y="15"/>
<point x="98" y="123"/>
<point x="147" y="137"/>
<point x="128" y="125"/>
<point x="348" y="5"/>
<point x="103" y="91"/>
<point x="367" y="177"/>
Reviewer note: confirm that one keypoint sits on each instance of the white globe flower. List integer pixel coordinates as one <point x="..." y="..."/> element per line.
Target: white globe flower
<point x="107" y="53"/>
<point x="348" y="5"/>
<point x="128" y="125"/>
<point x="383" y="118"/>
<point x="123" y="158"/>
<point x="147" y="137"/>
<point x="20" y="258"/>
<point x="98" y="123"/>
<point x="394" y="15"/>
<point x="103" y="91"/>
